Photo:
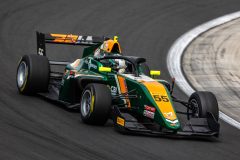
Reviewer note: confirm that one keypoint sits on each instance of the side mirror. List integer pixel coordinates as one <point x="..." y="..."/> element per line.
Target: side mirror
<point x="155" y="73"/>
<point x="105" y="69"/>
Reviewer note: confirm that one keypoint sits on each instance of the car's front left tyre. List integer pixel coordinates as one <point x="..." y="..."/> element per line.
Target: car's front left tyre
<point x="95" y="104"/>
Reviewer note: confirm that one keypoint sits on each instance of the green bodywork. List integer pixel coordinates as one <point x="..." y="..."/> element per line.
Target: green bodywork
<point x="87" y="71"/>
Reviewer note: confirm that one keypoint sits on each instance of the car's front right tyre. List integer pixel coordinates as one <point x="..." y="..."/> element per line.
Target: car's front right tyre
<point x="203" y="102"/>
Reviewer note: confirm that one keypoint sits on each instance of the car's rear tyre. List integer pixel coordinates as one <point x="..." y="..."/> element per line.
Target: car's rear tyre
<point x="204" y="102"/>
<point x="32" y="74"/>
<point x="95" y="104"/>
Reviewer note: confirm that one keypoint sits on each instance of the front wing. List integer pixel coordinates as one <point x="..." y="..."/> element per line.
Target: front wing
<point x="195" y="127"/>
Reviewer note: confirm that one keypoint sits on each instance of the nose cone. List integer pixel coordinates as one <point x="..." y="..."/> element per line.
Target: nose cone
<point x="163" y="104"/>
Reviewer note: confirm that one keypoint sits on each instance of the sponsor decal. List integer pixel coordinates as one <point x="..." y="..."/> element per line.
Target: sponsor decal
<point x="168" y="114"/>
<point x="64" y="38"/>
<point x="120" y="121"/>
<point x="148" y="114"/>
<point x="113" y="90"/>
<point x="158" y="97"/>
<point x="148" y="108"/>
<point x="72" y="38"/>
<point x="84" y="39"/>
<point x="40" y="51"/>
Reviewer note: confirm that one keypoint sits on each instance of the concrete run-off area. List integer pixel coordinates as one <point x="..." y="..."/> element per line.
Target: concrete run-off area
<point x="211" y="62"/>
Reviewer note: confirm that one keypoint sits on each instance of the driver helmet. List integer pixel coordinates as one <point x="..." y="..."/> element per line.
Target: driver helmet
<point x="108" y="47"/>
<point x="111" y="47"/>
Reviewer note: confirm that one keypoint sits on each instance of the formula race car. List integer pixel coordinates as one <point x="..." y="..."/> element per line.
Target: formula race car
<point x="105" y="84"/>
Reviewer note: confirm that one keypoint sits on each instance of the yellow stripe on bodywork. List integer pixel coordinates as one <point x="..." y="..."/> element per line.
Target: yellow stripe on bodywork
<point x="160" y="96"/>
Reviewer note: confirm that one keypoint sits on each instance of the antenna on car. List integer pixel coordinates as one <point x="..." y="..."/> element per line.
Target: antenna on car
<point x="172" y="87"/>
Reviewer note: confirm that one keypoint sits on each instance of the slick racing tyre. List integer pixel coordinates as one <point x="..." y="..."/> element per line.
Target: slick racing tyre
<point x="33" y="74"/>
<point x="95" y="104"/>
<point x="203" y="102"/>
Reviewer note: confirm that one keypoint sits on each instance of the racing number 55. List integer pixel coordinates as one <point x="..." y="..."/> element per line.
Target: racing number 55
<point x="160" y="98"/>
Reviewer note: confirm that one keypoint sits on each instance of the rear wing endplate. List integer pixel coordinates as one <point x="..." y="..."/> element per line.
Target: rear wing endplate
<point x="43" y="38"/>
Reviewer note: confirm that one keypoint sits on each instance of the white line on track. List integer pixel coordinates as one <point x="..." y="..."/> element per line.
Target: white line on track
<point x="177" y="49"/>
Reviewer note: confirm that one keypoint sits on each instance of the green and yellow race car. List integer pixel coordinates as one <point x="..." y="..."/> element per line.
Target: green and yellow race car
<point x="104" y="85"/>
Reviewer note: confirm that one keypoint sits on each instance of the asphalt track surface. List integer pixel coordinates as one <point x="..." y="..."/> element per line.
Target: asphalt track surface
<point x="31" y="128"/>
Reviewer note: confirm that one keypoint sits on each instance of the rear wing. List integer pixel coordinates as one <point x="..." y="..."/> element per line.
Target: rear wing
<point x="70" y="39"/>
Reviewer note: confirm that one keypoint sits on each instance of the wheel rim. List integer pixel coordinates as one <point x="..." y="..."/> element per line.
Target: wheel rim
<point x="86" y="103"/>
<point x="195" y="110"/>
<point x="22" y="73"/>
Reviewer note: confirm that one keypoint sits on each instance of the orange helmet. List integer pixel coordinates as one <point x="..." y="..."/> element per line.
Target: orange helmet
<point x="111" y="46"/>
